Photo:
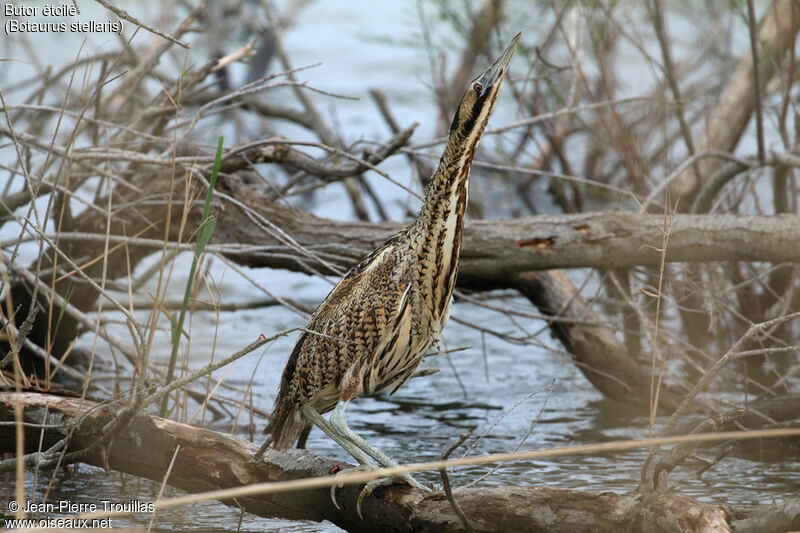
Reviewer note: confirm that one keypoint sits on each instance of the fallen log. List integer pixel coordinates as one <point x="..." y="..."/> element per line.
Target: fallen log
<point x="208" y="460"/>
<point x="497" y="248"/>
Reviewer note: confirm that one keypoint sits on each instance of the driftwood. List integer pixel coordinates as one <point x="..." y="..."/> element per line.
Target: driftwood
<point x="209" y="460"/>
<point x="491" y="249"/>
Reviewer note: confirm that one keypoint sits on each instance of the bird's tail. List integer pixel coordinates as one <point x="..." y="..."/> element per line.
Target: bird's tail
<point x="285" y="426"/>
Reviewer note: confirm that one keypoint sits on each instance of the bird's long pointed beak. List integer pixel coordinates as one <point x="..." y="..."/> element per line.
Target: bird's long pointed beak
<point x="496" y="71"/>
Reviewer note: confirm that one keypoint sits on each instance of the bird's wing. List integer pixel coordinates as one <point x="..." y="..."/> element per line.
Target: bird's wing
<point x="356" y="318"/>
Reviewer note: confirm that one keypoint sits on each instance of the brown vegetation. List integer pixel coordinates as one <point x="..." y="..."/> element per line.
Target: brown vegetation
<point x="695" y="241"/>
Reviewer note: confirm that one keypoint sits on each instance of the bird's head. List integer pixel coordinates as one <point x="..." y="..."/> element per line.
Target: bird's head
<point x="478" y="101"/>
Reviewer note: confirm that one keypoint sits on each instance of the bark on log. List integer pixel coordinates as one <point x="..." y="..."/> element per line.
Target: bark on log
<point x="497" y="248"/>
<point x="490" y="251"/>
<point x="494" y="249"/>
<point x="209" y="460"/>
<point x="783" y="516"/>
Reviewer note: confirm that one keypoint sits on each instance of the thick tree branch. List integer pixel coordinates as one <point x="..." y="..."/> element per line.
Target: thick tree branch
<point x="209" y="460"/>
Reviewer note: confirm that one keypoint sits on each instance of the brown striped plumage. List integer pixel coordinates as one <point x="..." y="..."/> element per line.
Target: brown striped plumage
<point x="375" y="326"/>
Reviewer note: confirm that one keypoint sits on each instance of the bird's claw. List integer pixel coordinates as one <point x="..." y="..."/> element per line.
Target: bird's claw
<point x="362" y="468"/>
<point x="370" y="486"/>
<point x="386" y="481"/>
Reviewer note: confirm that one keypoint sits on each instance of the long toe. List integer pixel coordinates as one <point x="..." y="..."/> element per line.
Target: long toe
<point x="385" y="482"/>
<point x="414" y="483"/>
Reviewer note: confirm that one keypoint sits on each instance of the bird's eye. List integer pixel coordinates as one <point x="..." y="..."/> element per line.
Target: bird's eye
<point x="477" y="88"/>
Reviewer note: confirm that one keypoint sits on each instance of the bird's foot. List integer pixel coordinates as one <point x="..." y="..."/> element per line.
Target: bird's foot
<point x="370" y="486"/>
<point x="386" y="481"/>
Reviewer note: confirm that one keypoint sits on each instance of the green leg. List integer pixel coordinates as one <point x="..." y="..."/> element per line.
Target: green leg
<point x="339" y="424"/>
<point x="355" y="445"/>
<point x="263" y="448"/>
<point x="350" y="447"/>
<point x="338" y="421"/>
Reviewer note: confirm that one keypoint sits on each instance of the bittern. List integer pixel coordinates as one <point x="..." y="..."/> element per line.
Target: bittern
<point x="375" y="326"/>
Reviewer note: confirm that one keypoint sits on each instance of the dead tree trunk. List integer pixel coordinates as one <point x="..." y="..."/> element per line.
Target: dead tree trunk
<point x="209" y="460"/>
